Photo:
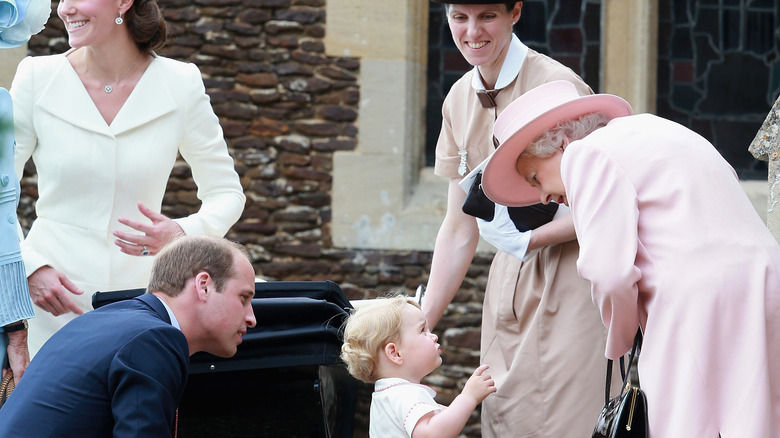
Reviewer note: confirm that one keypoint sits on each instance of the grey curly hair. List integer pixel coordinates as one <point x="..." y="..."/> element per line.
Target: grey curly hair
<point x="574" y="129"/>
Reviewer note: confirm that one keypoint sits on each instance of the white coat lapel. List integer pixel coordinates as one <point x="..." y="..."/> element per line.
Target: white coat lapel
<point x="65" y="97"/>
<point x="150" y="100"/>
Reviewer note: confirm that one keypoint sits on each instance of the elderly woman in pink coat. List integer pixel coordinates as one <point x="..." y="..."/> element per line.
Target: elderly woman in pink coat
<point x="669" y="242"/>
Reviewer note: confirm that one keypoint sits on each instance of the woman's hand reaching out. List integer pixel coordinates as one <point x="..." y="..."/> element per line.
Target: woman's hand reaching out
<point x="155" y="235"/>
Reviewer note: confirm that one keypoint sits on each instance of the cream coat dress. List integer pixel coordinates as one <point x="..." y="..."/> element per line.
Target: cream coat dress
<point x="90" y="173"/>
<point x="670" y="242"/>
<point x="541" y="333"/>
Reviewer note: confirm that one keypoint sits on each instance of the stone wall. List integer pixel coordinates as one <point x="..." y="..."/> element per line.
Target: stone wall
<point x="285" y="108"/>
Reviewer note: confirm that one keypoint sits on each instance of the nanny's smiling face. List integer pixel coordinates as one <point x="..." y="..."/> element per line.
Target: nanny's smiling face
<point x="482" y="33"/>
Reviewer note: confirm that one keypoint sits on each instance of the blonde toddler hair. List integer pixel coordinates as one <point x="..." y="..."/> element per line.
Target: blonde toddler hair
<point x="366" y="332"/>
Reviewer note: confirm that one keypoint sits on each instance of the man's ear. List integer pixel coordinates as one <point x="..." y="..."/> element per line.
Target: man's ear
<point x="204" y="285"/>
<point x="393" y="353"/>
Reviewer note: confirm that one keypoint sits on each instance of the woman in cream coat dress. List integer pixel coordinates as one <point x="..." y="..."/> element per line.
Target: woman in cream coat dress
<point x="103" y="163"/>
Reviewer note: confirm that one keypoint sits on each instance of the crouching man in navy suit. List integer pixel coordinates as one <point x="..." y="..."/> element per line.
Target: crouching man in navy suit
<point x="121" y="370"/>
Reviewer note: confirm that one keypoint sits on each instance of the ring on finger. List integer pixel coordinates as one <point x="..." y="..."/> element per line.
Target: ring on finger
<point x="145" y="251"/>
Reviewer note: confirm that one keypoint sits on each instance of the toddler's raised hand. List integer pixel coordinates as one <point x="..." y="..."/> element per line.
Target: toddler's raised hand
<point x="480" y="384"/>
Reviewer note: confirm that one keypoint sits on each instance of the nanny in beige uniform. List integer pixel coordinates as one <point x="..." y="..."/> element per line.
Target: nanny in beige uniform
<point x="541" y="334"/>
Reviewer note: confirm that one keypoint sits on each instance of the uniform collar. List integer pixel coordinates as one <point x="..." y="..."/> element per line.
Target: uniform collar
<point x="515" y="57"/>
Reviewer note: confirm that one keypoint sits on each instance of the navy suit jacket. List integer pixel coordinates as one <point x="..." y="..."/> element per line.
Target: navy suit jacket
<point x="117" y="371"/>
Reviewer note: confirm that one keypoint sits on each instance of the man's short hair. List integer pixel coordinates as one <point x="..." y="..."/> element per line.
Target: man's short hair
<point x="187" y="256"/>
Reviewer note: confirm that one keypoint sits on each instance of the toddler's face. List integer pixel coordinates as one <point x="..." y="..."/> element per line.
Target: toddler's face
<point x="419" y="347"/>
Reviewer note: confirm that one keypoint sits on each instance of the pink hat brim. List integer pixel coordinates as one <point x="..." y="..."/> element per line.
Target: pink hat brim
<point x="501" y="181"/>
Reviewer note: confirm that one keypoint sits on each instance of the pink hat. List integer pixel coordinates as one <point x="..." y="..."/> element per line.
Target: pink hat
<point x="525" y="119"/>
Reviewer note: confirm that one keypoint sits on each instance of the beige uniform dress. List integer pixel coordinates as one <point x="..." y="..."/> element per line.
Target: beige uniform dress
<point x="541" y="334"/>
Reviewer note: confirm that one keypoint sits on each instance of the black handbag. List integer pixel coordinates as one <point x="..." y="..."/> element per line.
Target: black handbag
<point x="477" y="204"/>
<point x="625" y="415"/>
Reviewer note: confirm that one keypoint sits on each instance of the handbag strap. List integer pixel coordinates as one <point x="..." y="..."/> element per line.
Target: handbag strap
<point x="609" y="379"/>
<point x="625" y="373"/>
<point x="6" y="386"/>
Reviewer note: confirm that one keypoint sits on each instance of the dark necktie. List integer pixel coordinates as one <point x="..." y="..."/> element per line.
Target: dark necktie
<point x="487" y="98"/>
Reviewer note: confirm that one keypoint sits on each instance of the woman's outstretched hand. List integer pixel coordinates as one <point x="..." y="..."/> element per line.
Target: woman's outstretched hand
<point x="155" y="235"/>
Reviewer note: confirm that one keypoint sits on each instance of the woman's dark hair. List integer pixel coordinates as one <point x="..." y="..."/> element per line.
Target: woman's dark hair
<point x="146" y="25"/>
<point x="508" y="5"/>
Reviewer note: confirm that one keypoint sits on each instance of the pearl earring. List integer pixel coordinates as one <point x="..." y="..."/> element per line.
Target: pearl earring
<point x="119" y="19"/>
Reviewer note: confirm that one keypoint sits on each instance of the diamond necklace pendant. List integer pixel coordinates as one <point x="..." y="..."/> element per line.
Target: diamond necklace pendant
<point x="109" y="88"/>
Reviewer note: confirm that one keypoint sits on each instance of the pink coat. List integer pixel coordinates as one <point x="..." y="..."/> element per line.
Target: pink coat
<point x="670" y="241"/>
